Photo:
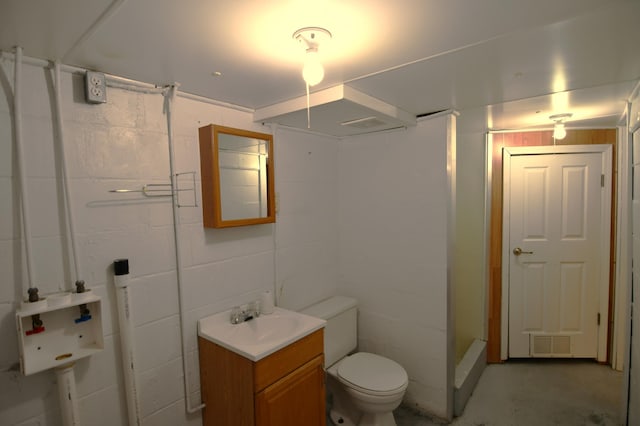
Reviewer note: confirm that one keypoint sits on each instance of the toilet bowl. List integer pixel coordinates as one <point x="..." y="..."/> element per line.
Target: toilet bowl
<point x="374" y="385"/>
<point x="365" y="388"/>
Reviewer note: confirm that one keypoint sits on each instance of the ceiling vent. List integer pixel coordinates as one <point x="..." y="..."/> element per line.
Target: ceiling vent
<point x="364" y="123"/>
<point x="338" y="111"/>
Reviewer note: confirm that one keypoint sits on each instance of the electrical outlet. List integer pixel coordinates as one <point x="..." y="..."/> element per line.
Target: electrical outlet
<point x="95" y="87"/>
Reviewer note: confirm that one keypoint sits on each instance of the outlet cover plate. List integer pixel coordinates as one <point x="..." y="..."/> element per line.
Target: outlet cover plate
<point x="95" y="87"/>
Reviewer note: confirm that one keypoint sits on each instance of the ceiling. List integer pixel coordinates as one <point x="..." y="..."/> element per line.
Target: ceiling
<point x="503" y="64"/>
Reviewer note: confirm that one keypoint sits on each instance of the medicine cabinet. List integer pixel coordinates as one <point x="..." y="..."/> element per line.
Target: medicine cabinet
<point x="236" y="168"/>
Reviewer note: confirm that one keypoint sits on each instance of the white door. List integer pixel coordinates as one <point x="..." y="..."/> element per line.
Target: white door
<point x="557" y="254"/>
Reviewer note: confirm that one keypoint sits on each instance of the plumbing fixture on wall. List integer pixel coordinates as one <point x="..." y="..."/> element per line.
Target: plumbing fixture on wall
<point x="64" y="341"/>
<point x="85" y="313"/>
<point x="51" y="334"/>
<point x="66" y="337"/>
<point x="36" y="323"/>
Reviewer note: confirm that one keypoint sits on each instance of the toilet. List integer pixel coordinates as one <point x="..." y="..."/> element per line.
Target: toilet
<point x="365" y="387"/>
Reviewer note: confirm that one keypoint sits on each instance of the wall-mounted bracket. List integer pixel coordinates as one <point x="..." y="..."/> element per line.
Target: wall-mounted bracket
<point x="151" y="190"/>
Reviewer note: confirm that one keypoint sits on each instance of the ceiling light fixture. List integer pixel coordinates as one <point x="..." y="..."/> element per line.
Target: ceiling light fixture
<point x="312" y="72"/>
<point x="559" y="132"/>
<point x="310" y="38"/>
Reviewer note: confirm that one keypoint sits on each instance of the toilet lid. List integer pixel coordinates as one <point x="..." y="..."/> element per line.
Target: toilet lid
<point x="373" y="372"/>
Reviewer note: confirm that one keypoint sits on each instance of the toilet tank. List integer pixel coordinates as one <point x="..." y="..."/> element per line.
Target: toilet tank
<point x="340" y="333"/>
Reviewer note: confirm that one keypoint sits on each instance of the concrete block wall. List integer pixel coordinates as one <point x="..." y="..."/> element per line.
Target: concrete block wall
<point x="123" y="144"/>
<point x="393" y="252"/>
<point x="307" y="230"/>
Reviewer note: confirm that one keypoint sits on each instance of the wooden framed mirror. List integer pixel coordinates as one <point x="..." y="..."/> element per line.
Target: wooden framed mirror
<point x="236" y="169"/>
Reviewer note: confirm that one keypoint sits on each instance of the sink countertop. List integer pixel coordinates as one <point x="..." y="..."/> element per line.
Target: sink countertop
<point x="259" y="337"/>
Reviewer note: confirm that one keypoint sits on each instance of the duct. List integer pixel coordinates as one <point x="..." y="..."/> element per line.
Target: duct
<point x="338" y="111"/>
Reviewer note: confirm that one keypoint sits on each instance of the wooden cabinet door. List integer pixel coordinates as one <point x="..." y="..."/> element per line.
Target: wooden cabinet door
<point x="296" y="399"/>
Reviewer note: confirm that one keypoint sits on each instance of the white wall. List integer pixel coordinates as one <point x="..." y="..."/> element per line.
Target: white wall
<point x="394" y="221"/>
<point x="307" y="230"/>
<point x="123" y="144"/>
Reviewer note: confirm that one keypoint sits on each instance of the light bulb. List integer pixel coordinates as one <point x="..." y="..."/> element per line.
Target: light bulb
<point x="559" y="132"/>
<point x="312" y="72"/>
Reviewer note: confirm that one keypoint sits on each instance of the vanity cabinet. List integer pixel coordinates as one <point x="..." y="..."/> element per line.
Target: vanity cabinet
<point x="286" y="388"/>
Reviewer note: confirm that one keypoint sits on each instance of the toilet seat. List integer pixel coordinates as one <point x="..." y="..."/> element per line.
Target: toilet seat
<point x="372" y="374"/>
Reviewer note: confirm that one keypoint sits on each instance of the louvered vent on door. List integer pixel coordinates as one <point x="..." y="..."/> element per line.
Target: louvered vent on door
<point x="551" y="346"/>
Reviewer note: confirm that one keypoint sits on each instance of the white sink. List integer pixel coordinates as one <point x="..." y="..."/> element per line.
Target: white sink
<point x="259" y="337"/>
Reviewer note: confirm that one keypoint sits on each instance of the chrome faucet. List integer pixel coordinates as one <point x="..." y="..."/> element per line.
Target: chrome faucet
<point x="239" y="315"/>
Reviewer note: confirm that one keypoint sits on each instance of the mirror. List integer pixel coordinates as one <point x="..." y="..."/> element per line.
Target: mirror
<point x="237" y="177"/>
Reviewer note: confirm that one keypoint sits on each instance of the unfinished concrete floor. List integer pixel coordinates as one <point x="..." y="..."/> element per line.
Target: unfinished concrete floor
<point x="538" y="393"/>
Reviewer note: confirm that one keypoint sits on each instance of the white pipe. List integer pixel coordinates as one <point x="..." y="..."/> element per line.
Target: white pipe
<point x="132" y="85"/>
<point x="22" y="170"/>
<point x="276" y="292"/>
<point x="137" y="87"/>
<point x="25" y="59"/>
<point x="67" y="395"/>
<point x="65" y="171"/>
<point x="170" y="96"/>
<point x="125" y="324"/>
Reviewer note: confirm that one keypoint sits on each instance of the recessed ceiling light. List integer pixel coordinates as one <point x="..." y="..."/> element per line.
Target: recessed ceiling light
<point x="216" y="74"/>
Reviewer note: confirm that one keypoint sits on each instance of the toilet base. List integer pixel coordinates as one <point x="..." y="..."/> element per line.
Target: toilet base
<point x="377" y="419"/>
<point x="367" y="419"/>
<point x="342" y="413"/>
<point x="339" y="419"/>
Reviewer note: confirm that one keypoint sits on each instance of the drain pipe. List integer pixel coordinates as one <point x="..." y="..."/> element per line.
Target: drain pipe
<point x="170" y="97"/>
<point x="125" y="324"/>
<point x="67" y="395"/>
<point x="22" y="170"/>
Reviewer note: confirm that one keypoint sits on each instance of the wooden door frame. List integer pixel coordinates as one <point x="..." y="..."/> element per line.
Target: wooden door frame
<point x="495" y="143"/>
<point x="605" y="152"/>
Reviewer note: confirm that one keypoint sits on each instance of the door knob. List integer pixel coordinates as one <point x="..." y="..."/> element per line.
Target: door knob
<point x="518" y="251"/>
